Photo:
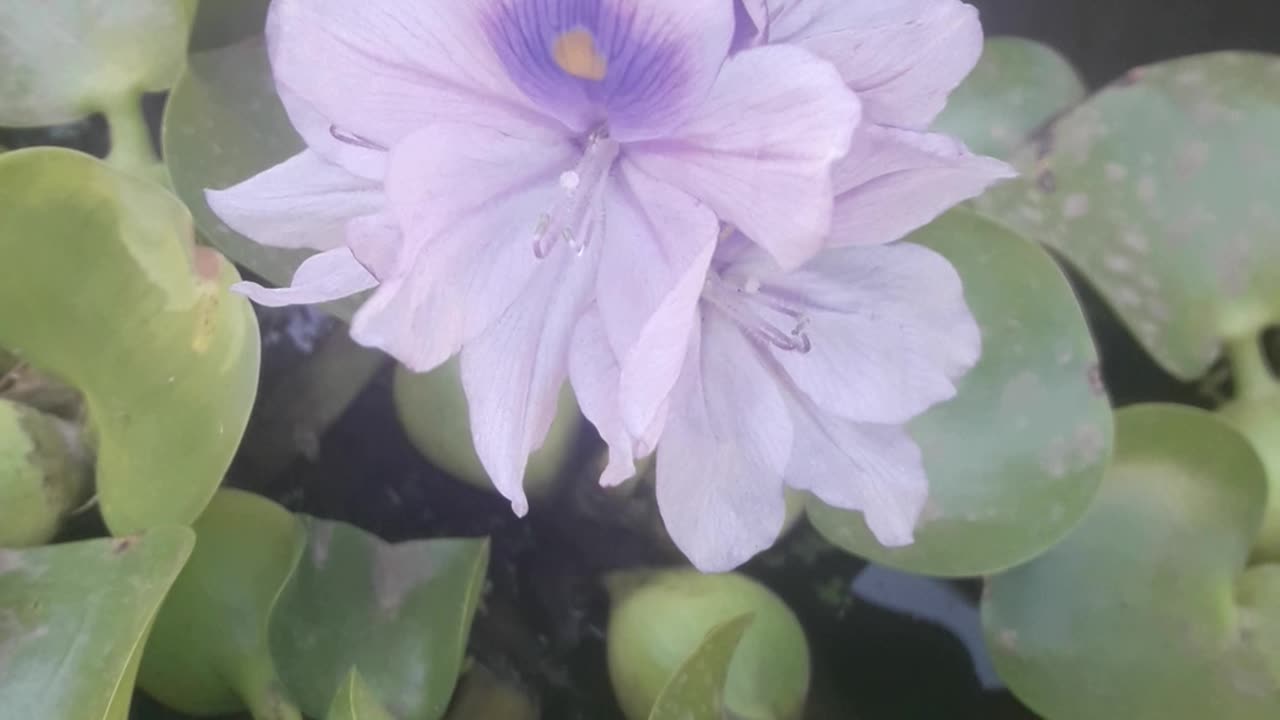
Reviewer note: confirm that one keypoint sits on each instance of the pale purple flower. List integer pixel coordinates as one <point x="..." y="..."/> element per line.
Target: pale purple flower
<point x="806" y="378"/>
<point x="496" y="167"/>
<point x="800" y="379"/>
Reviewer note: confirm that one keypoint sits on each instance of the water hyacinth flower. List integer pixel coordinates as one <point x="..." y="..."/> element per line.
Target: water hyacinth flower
<point x="497" y="168"/>
<point x="801" y="379"/>
<point x="805" y="378"/>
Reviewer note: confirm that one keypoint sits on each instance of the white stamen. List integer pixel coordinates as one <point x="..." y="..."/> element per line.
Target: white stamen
<point x="583" y="187"/>
<point x="749" y="307"/>
<point x="350" y="138"/>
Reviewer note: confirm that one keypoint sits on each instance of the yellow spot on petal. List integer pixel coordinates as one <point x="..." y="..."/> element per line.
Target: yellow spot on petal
<point x="575" y="52"/>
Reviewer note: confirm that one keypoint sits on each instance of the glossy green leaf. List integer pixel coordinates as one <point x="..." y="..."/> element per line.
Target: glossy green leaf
<point x="1015" y="458"/>
<point x="1017" y="87"/>
<point x="73" y="619"/>
<point x="399" y="614"/>
<point x="696" y="690"/>
<point x="1161" y="190"/>
<point x="224" y="124"/>
<point x="102" y="287"/>
<point x="355" y="701"/>
<point x="208" y="653"/>
<point x="61" y="60"/>
<point x="659" y="628"/>
<point x="44" y="474"/>
<point x="1146" y="610"/>
<point x="433" y="412"/>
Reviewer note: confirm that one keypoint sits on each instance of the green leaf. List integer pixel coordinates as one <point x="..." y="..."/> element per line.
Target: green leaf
<point x="102" y="287"/>
<point x="355" y="701"/>
<point x="44" y="474"/>
<point x="658" y="626"/>
<point x="1143" y="611"/>
<point x="696" y="690"/>
<point x="1161" y="190"/>
<point x="1017" y="87"/>
<point x="1015" y="458"/>
<point x="61" y="60"/>
<point x="224" y="124"/>
<point x="484" y="695"/>
<point x="433" y="412"/>
<point x="220" y="23"/>
<point x="73" y="619"/>
<point x="399" y="614"/>
<point x="208" y="653"/>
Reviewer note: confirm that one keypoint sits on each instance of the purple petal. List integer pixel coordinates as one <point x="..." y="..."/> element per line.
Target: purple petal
<point x="513" y="372"/>
<point x="723" y="454"/>
<point x="889" y="328"/>
<point x="896" y="181"/>
<point x="760" y="151"/>
<point x="470" y="200"/>
<point x="594" y="372"/>
<point x="641" y="66"/>
<point x="654" y="262"/>
<point x="383" y="69"/>
<point x="375" y="241"/>
<point x="323" y="277"/>
<point x="856" y="466"/>
<point x="304" y="202"/>
<point x="324" y="137"/>
<point x="903" y="57"/>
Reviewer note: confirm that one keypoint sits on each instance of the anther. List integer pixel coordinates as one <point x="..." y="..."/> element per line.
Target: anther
<point x="350" y="138"/>
<point x="750" y="305"/>
<point x="569" y="219"/>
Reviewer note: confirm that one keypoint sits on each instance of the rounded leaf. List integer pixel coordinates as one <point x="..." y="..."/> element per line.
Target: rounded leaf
<point x="1017" y="87"/>
<point x="61" y="60"/>
<point x="101" y="286"/>
<point x="659" y="628"/>
<point x="208" y="653"/>
<point x="1161" y="190"/>
<point x="432" y="408"/>
<point x="1142" y="612"/>
<point x="74" y="618"/>
<point x="1015" y="458"/>
<point x="399" y="614"/>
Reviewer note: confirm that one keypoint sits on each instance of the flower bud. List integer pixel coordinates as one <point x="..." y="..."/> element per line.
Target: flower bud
<point x="44" y="474"/>
<point x="660" y="617"/>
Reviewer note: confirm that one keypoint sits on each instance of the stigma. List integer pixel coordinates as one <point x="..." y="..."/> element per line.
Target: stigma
<point x="570" y="219"/>
<point x="575" y="53"/>
<point x="764" y="314"/>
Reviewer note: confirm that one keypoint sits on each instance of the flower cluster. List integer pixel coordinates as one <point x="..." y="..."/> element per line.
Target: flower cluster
<point x="685" y="208"/>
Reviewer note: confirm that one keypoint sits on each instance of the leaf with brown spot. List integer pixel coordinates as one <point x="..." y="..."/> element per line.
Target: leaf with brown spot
<point x="107" y="300"/>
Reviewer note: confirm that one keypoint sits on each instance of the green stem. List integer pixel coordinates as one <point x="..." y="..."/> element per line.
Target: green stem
<point x="131" y="147"/>
<point x="1249" y="368"/>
